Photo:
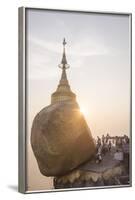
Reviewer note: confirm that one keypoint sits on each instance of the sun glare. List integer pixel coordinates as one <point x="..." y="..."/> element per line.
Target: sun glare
<point x="84" y="111"/>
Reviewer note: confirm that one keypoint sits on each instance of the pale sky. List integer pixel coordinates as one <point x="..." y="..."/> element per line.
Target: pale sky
<point x="98" y="52"/>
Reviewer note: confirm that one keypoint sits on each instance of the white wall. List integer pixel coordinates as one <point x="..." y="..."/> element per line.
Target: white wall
<point x="9" y="95"/>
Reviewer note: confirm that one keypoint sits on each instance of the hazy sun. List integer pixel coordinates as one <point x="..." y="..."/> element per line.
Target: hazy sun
<point x="83" y="110"/>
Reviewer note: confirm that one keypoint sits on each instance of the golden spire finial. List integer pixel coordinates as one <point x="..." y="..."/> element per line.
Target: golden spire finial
<point x="64" y="64"/>
<point x="64" y="42"/>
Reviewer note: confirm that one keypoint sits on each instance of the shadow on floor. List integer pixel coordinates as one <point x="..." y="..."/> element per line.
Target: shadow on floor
<point x="13" y="187"/>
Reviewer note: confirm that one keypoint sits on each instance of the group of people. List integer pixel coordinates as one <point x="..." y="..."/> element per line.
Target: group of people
<point x="107" y="144"/>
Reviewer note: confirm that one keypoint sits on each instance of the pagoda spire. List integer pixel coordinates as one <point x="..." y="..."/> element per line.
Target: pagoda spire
<point x="63" y="91"/>
<point x="64" y="64"/>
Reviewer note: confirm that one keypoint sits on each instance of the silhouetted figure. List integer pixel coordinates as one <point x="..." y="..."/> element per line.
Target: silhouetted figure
<point x="103" y="138"/>
<point x="98" y="155"/>
<point x="109" y="146"/>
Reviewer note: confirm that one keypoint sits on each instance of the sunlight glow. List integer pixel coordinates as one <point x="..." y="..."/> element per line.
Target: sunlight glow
<point x="84" y="111"/>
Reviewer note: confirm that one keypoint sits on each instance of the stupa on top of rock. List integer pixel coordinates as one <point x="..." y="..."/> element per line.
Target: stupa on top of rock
<point x="60" y="137"/>
<point x="63" y="91"/>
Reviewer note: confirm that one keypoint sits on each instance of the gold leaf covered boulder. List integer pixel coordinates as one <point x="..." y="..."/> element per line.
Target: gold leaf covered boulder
<point x="61" y="139"/>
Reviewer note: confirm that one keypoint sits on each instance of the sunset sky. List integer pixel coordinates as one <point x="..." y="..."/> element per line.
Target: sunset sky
<point x="98" y="52"/>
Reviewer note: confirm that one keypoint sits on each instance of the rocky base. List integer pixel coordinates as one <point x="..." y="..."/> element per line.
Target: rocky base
<point x="80" y="178"/>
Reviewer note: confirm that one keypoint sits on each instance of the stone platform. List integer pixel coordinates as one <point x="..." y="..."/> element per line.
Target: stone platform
<point x="91" y="174"/>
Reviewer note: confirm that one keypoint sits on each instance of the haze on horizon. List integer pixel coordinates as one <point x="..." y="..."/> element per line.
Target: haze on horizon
<point x="98" y="52"/>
